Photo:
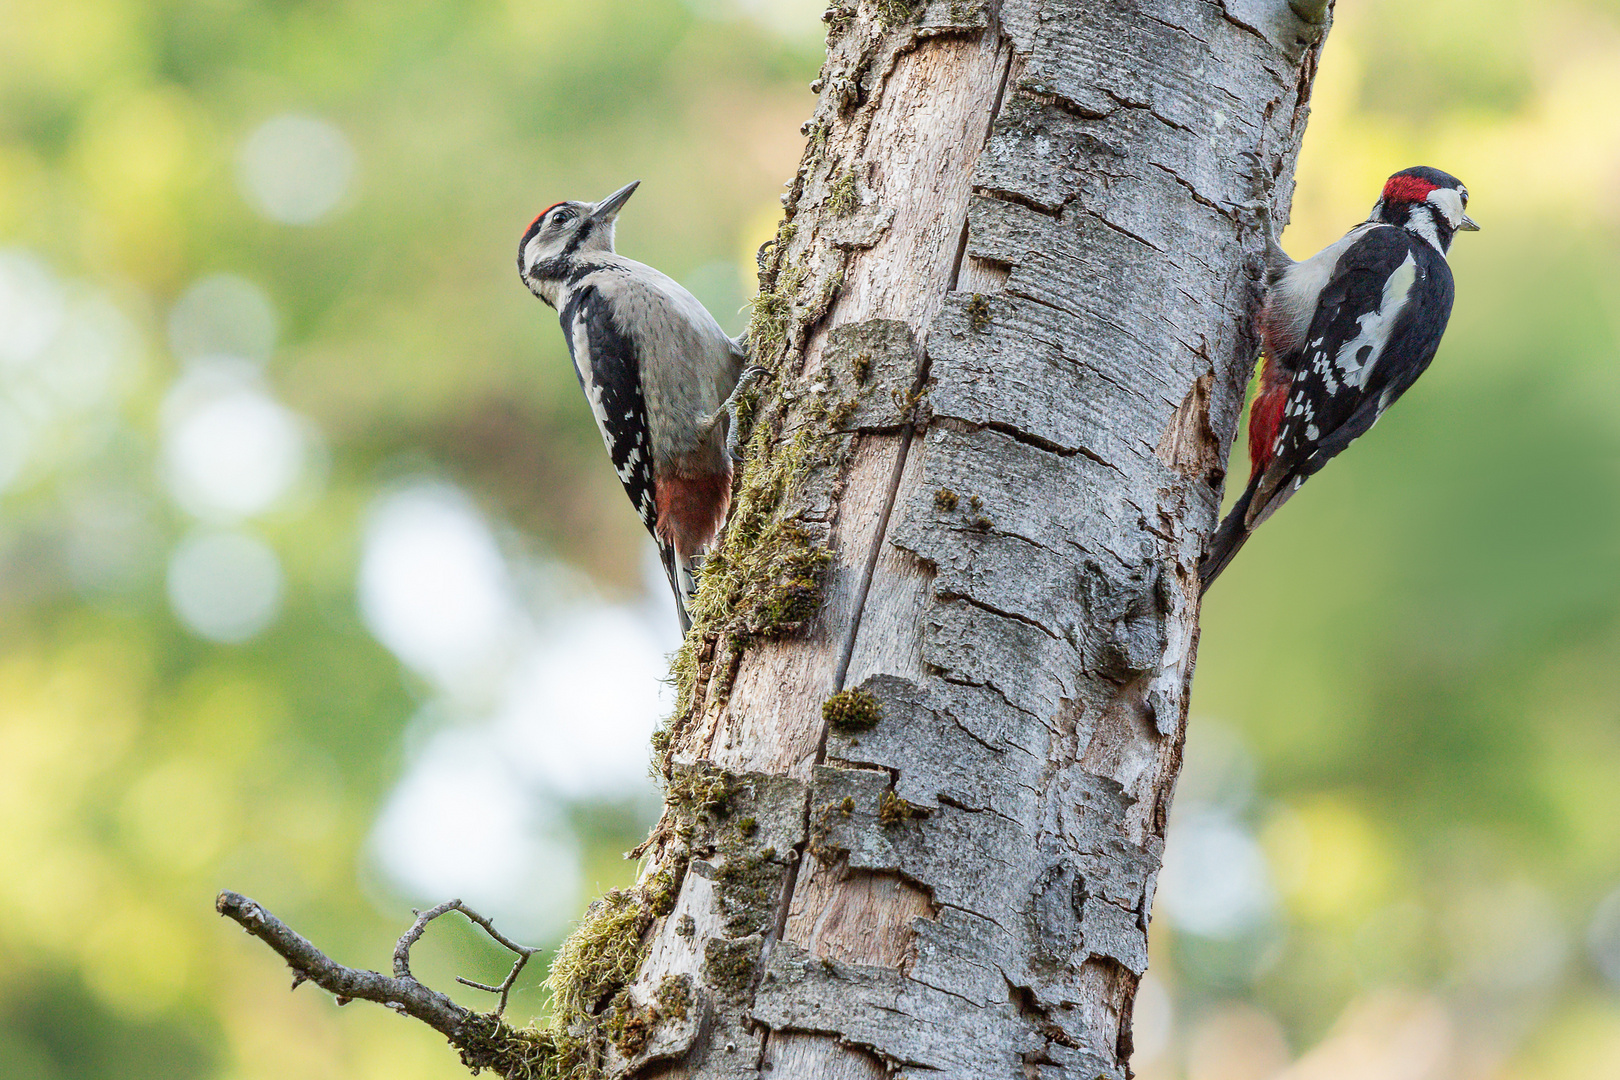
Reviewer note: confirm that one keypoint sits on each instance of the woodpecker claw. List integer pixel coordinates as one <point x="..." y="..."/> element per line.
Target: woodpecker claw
<point x="728" y="407"/>
<point x="1261" y="187"/>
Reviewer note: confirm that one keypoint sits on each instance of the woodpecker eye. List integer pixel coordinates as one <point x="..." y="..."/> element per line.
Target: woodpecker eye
<point x="562" y="217"/>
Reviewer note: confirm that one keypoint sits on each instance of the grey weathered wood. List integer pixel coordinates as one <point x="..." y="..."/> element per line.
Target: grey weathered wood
<point x="1028" y="209"/>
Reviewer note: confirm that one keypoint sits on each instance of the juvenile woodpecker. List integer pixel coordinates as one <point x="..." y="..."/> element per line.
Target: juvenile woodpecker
<point x="659" y="373"/>
<point x="1344" y="333"/>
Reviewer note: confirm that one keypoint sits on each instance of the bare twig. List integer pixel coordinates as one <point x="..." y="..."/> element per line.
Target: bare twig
<point x="485" y="1041"/>
<point x="404" y="995"/>
<point x="402" y="951"/>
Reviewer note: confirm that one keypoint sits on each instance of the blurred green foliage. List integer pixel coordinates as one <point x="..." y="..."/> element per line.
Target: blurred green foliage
<point x="143" y="768"/>
<point x="1407" y="700"/>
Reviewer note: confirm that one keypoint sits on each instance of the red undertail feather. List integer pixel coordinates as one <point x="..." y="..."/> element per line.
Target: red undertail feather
<point x="1265" y="415"/>
<point x="691" y="510"/>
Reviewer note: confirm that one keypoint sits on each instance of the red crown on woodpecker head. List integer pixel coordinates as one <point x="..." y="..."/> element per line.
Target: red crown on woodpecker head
<point x="1401" y="188"/>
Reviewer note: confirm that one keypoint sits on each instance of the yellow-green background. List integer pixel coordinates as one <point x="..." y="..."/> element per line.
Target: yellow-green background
<point x="1408" y="700"/>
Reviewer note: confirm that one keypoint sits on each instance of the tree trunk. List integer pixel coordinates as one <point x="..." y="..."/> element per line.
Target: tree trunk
<point x="932" y="713"/>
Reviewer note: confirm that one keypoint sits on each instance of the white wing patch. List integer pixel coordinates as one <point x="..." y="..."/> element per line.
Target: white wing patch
<point x="1358" y="356"/>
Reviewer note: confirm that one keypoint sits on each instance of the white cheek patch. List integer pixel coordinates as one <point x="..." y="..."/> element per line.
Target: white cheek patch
<point x="1449" y="200"/>
<point x="542" y="246"/>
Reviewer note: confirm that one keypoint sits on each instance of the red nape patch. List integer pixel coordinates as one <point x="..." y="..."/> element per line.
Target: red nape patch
<point x="1265" y="415"/>
<point x="691" y="510"/>
<point x="1407" y="189"/>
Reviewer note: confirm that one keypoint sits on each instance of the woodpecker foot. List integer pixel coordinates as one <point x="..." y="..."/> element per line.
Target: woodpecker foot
<point x="1261" y="193"/>
<point x="1259" y="188"/>
<point x="746" y="381"/>
<point x="728" y="409"/>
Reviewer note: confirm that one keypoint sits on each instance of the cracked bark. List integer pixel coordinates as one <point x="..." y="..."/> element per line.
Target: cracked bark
<point x="1034" y="225"/>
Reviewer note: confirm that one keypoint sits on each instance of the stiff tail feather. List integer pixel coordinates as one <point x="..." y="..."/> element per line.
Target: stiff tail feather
<point x="681" y="582"/>
<point x="1227" y="541"/>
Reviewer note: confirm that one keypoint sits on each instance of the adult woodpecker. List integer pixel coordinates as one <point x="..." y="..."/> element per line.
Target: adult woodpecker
<point x="659" y="373"/>
<point x="1344" y="333"/>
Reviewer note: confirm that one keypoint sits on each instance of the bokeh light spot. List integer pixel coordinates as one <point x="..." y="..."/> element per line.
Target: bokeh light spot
<point x="1215" y="881"/>
<point x="230" y="450"/>
<point x="94" y="359"/>
<point x="582" y="704"/>
<point x="222" y="315"/>
<point x="433" y="585"/>
<point x="460" y="822"/>
<point x="31" y="306"/>
<point x="225" y="586"/>
<point x="295" y="169"/>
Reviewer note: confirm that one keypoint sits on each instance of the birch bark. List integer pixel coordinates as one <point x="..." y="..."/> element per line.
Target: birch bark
<point x="933" y="712"/>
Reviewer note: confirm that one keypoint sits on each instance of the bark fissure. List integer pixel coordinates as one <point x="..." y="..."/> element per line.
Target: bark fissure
<point x="867" y="570"/>
<point x="982" y="605"/>
<point x="1237" y="22"/>
<point x="1197" y="197"/>
<point x="1123" y="231"/>
<point x="1145" y="106"/>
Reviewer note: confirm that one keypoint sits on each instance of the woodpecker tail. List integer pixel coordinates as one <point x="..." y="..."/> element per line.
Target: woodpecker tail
<point x="682" y="582"/>
<point x="1271" y="488"/>
<point x="1228" y="539"/>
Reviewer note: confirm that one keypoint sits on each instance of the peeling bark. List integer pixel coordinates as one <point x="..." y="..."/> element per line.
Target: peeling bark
<point x="1009" y="319"/>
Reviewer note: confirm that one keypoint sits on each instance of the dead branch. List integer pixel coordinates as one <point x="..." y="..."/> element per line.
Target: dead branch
<point x="402" y="951"/>
<point x="484" y="1040"/>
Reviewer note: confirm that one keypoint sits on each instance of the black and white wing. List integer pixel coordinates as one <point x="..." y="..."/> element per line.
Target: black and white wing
<point x="1377" y="325"/>
<point x="609" y="370"/>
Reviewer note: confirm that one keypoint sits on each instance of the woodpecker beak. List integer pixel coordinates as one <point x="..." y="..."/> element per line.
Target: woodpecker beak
<point x="1467" y="224"/>
<point x="608" y="208"/>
